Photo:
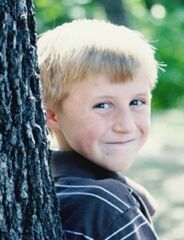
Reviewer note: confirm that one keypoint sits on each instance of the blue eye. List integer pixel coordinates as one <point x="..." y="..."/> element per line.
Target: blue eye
<point x="137" y="102"/>
<point x="102" y="106"/>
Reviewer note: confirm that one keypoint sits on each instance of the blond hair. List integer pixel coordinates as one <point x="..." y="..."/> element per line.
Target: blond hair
<point x="72" y="52"/>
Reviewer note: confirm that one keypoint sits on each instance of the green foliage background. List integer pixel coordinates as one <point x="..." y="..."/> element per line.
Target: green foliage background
<point x="165" y="33"/>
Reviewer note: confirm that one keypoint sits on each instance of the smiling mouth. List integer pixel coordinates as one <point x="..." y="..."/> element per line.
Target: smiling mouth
<point x="120" y="142"/>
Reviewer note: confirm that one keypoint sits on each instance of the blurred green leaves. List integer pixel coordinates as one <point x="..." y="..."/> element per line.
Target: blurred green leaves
<point x="167" y="35"/>
<point x="50" y="13"/>
<point x="162" y="23"/>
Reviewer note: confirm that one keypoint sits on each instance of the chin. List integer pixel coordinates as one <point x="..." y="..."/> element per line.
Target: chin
<point x="122" y="167"/>
<point x="115" y="168"/>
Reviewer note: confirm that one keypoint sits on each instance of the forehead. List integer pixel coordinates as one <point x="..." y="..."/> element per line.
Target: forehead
<point x="102" y="85"/>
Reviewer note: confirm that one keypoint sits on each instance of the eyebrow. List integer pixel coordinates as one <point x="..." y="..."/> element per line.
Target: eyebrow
<point x="105" y="96"/>
<point x="136" y="94"/>
<point x="145" y="94"/>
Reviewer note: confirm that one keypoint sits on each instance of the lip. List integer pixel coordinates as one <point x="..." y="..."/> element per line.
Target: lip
<point x="120" y="142"/>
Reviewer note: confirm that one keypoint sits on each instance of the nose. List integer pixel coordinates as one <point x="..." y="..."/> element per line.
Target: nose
<point x="124" y="122"/>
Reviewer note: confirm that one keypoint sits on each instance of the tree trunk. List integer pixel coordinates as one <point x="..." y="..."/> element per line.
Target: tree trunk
<point x="28" y="204"/>
<point x="115" y="11"/>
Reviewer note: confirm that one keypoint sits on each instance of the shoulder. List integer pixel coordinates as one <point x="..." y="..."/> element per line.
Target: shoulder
<point x="107" y="192"/>
<point x="97" y="208"/>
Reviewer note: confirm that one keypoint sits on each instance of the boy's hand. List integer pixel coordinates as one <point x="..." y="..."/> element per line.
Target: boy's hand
<point x="145" y="195"/>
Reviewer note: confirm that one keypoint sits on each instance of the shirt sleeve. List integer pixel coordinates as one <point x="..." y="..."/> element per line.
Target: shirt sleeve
<point x="131" y="225"/>
<point x="144" y="194"/>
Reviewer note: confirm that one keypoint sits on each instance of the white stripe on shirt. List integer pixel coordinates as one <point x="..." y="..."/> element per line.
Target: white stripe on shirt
<point x="93" y="186"/>
<point x="78" y="233"/>
<point x="119" y="230"/>
<point x="93" y="195"/>
<point x="128" y="235"/>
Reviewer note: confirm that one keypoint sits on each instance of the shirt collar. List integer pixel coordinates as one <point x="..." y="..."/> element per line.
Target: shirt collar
<point x="72" y="164"/>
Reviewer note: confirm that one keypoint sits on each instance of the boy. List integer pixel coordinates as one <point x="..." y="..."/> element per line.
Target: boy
<point x="97" y="80"/>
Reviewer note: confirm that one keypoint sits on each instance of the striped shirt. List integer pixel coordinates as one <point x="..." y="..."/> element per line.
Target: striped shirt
<point x="97" y="204"/>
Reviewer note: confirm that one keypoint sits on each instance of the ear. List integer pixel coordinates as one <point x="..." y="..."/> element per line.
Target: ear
<point x="52" y="120"/>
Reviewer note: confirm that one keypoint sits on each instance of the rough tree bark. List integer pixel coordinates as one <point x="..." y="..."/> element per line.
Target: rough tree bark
<point x="28" y="205"/>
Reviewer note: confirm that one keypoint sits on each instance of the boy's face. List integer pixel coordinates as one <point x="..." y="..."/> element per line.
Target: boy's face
<point x="106" y="122"/>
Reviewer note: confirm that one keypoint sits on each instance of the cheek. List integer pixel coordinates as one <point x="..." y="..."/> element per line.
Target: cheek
<point x="145" y="126"/>
<point x="142" y="122"/>
<point x="89" y="136"/>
